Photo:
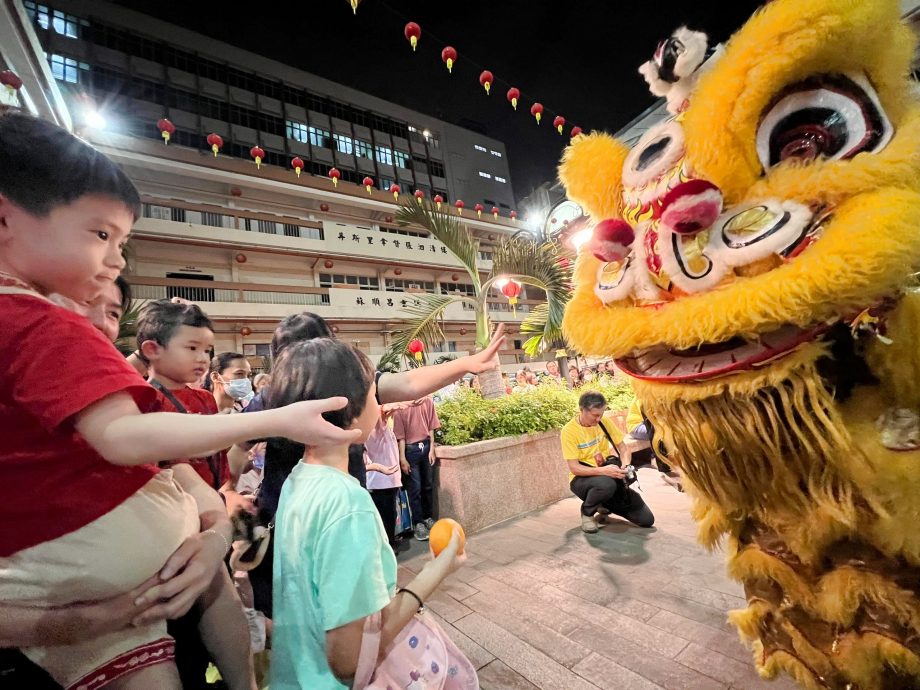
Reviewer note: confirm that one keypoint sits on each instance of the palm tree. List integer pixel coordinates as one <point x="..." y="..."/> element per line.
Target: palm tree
<point x="519" y="259"/>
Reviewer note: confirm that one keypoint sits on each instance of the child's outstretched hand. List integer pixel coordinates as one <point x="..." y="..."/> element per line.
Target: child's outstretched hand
<point x="453" y="556"/>
<point x="303" y="422"/>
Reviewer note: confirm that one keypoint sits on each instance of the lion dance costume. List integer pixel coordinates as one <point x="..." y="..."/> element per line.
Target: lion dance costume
<point x="752" y="267"/>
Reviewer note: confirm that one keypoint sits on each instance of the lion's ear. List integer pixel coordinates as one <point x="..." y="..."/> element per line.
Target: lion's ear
<point x="591" y="170"/>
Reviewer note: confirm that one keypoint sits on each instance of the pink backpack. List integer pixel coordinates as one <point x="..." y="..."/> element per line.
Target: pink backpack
<point x="422" y="657"/>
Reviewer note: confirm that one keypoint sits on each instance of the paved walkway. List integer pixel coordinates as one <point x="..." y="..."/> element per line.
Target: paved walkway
<point x="540" y="604"/>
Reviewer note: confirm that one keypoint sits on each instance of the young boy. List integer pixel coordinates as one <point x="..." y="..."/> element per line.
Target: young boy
<point x="173" y="340"/>
<point x="92" y="516"/>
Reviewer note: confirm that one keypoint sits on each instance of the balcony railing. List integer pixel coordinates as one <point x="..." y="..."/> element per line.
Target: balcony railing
<point x="146" y="288"/>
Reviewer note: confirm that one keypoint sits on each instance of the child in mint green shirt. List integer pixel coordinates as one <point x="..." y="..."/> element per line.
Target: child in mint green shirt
<point x="333" y="566"/>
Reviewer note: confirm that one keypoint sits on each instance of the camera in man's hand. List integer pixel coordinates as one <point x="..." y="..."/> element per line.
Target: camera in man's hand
<point x="630" y="470"/>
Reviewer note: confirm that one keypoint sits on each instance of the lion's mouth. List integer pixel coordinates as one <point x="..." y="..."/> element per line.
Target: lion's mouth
<point x="710" y="360"/>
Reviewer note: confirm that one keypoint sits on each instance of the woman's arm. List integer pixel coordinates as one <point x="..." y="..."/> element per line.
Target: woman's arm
<point x="118" y="431"/>
<point x="417" y="383"/>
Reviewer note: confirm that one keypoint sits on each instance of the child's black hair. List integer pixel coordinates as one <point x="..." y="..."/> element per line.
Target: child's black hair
<point x="124" y="288"/>
<point x="159" y="321"/>
<point x="220" y="362"/>
<point x="297" y="328"/>
<point x="43" y="166"/>
<point x="318" y="369"/>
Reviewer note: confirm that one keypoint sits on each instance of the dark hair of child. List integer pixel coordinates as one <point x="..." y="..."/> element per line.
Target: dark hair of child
<point x="125" y="289"/>
<point x="159" y="321"/>
<point x="298" y="327"/>
<point x="43" y="166"/>
<point x="219" y="363"/>
<point x="322" y="368"/>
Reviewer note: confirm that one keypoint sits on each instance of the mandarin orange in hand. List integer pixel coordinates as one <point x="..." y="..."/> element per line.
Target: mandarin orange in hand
<point x="441" y="531"/>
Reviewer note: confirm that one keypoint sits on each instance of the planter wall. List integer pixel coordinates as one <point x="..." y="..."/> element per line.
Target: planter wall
<point x="489" y="481"/>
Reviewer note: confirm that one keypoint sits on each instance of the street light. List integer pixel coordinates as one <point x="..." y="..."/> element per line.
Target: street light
<point x="94" y="119"/>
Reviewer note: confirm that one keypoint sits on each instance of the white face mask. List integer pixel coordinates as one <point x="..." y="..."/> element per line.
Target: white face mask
<point x="238" y="389"/>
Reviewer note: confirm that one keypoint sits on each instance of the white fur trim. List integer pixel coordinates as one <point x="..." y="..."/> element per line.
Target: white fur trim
<point x="658" y="87"/>
<point x="695" y="45"/>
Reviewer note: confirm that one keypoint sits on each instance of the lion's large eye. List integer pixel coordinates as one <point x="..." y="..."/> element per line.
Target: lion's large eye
<point x="659" y="150"/>
<point x="824" y="117"/>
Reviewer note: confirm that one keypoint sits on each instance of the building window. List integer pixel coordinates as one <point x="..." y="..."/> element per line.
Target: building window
<point x="269" y="227"/>
<point x="480" y="148"/>
<point x="402" y="159"/>
<point x="363" y="282"/>
<point x="362" y="149"/>
<point x="343" y="143"/>
<point x="297" y="131"/>
<point x="319" y="137"/>
<point x="500" y="179"/>
<point x="38" y="14"/>
<point x="65" y="24"/>
<point x="436" y="169"/>
<point x="485" y="175"/>
<point x="398" y="285"/>
<point x="67" y="69"/>
<point x="214" y="220"/>
<point x="496" y="153"/>
<point x="455" y="288"/>
<point x="384" y="155"/>
<point x="386" y="183"/>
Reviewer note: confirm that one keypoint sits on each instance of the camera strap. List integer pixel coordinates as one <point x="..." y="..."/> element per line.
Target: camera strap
<point x="613" y="446"/>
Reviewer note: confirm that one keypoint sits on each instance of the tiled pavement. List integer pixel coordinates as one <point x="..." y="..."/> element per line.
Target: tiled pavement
<point x="540" y="604"/>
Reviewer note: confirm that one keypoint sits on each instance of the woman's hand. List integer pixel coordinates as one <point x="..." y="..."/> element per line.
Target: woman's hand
<point x="186" y="575"/>
<point x="303" y="422"/>
<point x="488" y="358"/>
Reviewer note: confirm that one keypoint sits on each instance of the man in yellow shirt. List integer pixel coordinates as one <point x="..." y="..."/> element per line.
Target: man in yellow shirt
<point x="598" y="483"/>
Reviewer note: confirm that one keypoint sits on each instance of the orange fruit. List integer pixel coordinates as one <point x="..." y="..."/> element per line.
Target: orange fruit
<point x="441" y="531"/>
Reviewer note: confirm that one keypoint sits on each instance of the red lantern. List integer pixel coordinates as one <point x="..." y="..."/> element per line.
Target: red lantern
<point x="297" y="164"/>
<point x="416" y="347"/>
<point x="10" y="80"/>
<point x="368" y="183"/>
<point x="324" y="207"/>
<point x="559" y="123"/>
<point x="412" y="32"/>
<point x="537" y="111"/>
<point x="438" y="199"/>
<point x="462" y="331"/>
<point x="397" y="271"/>
<point x="328" y="263"/>
<point x="575" y="132"/>
<point x="335" y="175"/>
<point x="335" y="329"/>
<point x="455" y="277"/>
<point x="511" y="290"/>
<point x="514" y="95"/>
<point x="486" y="79"/>
<point x="240" y="258"/>
<point x="257" y="154"/>
<point x="245" y="330"/>
<point x="236" y="191"/>
<point x="478" y="208"/>
<point x="419" y="195"/>
<point x="167" y="129"/>
<point x="396" y="190"/>
<point x="459" y="204"/>
<point x="388" y="219"/>
<point x="449" y="57"/>
<point x="491" y="238"/>
<point x="216" y="142"/>
<point x="513" y="215"/>
<point x="494" y="215"/>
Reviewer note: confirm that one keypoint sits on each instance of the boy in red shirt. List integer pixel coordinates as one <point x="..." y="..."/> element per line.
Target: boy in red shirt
<point x="173" y="340"/>
<point x="91" y="516"/>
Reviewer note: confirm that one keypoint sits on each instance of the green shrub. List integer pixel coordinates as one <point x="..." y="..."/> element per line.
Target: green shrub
<point x="467" y="417"/>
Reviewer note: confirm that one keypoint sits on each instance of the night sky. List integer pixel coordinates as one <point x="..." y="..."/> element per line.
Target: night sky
<point x="579" y="58"/>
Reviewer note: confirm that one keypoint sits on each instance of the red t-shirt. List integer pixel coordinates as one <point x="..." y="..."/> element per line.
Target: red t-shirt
<point x="54" y="364"/>
<point x="197" y="401"/>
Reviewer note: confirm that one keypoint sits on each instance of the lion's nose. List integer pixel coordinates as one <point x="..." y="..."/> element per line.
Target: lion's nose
<point x="691" y="206"/>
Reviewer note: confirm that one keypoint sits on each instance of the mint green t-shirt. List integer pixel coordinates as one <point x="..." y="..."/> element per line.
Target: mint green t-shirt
<point x="332" y="566"/>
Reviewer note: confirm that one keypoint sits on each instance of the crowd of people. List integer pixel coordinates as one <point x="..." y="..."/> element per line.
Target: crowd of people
<point x="182" y="512"/>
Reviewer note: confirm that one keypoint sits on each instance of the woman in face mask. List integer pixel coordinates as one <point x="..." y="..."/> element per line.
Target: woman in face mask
<point x="229" y="381"/>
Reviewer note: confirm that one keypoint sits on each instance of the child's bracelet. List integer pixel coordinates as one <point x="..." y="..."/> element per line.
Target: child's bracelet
<point x="415" y="596"/>
<point x="214" y="531"/>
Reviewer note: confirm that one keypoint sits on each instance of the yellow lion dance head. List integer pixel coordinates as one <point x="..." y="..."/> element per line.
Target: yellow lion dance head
<point x="781" y="198"/>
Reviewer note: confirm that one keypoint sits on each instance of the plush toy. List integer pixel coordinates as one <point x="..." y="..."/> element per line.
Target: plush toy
<point x="752" y="269"/>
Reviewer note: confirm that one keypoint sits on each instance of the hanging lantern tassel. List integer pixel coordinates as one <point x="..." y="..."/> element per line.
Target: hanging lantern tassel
<point x="396" y="190"/>
<point x="167" y="129"/>
<point x="559" y="123"/>
<point x="537" y="111"/>
<point x="449" y="57"/>
<point x="216" y="142"/>
<point x="258" y="155"/>
<point x="514" y="95"/>
<point x="438" y="199"/>
<point x="354" y="5"/>
<point x="495" y="212"/>
<point x="368" y="183"/>
<point x="297" y="164"/>
<point x="487" y="79"/>
<point x="416" y="348"/>
<point x="412" y="32"/>
<point x="335" y="175"/>
<point x="511" y="290"/>
<point x="478" y="208"/>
